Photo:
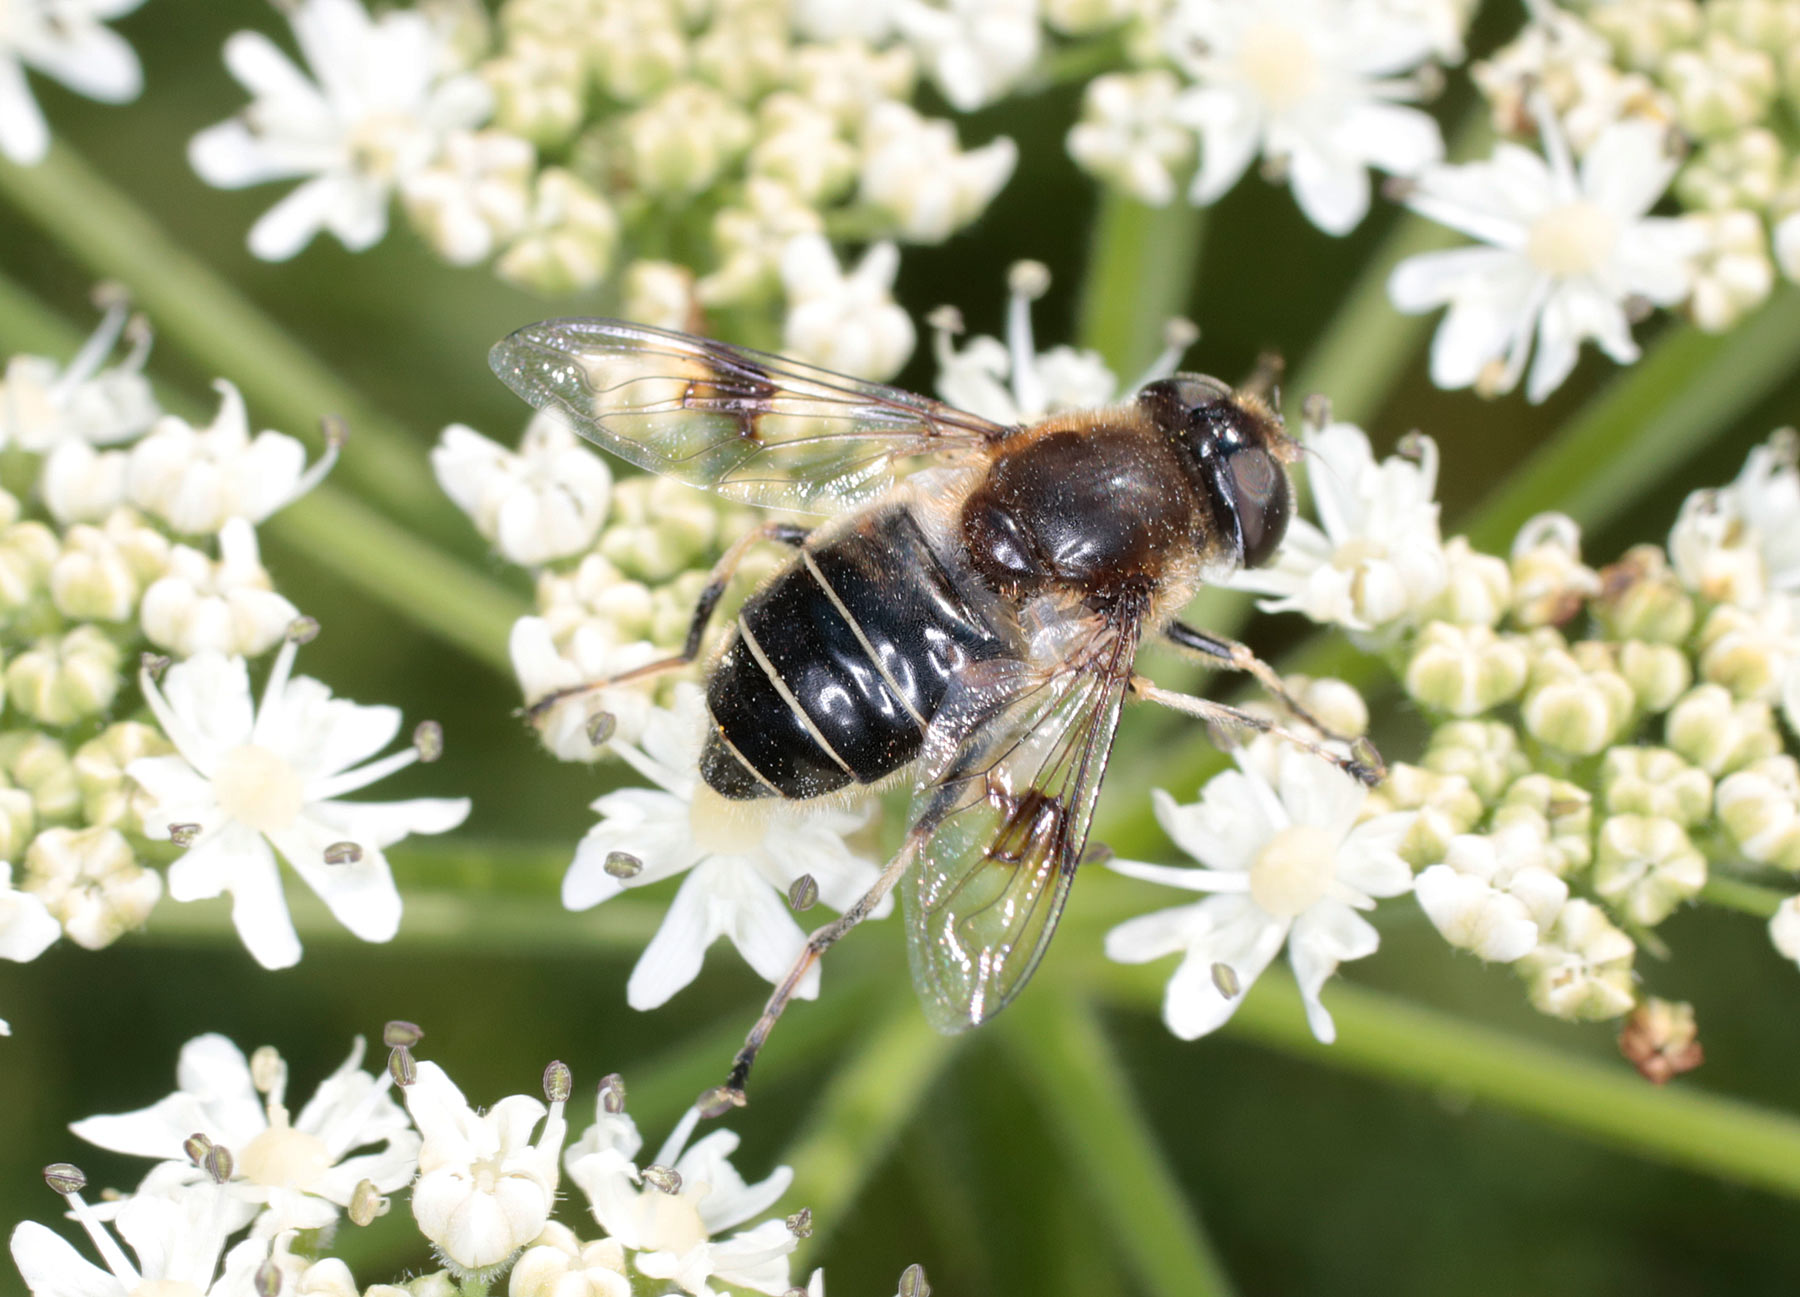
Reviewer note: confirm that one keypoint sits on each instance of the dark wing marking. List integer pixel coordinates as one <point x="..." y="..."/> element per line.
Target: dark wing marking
<point x="1019" y="755"/>
<point x="749" y="425"/>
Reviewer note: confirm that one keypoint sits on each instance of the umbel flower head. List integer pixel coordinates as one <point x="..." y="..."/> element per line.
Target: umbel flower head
<point x="249" y="779"/>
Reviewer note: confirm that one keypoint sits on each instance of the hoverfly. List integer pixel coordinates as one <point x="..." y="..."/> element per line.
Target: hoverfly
<point x="969" y="611"/>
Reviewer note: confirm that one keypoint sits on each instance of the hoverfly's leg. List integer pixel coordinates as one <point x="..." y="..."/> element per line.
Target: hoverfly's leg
<point x="1240" y="657"/>
<point x="731" y="1095"/>
<point x="786" y="533"/>
<point x="1364" y="762"/>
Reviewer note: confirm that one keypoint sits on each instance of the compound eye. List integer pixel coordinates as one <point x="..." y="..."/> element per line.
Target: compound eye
<point x="1262" y="500"/>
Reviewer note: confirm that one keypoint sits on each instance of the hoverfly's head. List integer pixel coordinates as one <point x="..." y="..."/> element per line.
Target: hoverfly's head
<point x="1235" y="452"/>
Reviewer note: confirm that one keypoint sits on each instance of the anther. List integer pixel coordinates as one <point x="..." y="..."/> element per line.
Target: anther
<point x="804" y="894"/>
<point x="218" y="1164"/>
<point x="622" y="865"/>
<point x="664" y="1179"/>
<point x="267" y="1281"/>
<point x="1225" y="981"/>
<point x="183" y="835"/>
<point x="400" y="1034"/>
<point x="335" y="430"/>
<point x="800" y="1223"/>
<point x="153" y="664"/>
<point x="343" y="853"/>
<point x="612" y="1094"/>
<point x="720" y="1100"/>
<point x="428" y="741"/>
<point x="601" y="726"/>
<point x="913" y="1282"/>
<point x="558" y="1082"/>
<point x="402" y="1067"/>
<point x="303" y="630"/>
<point x="65" y="1177"/>
<point x="366" y="1203"/>
<point x="196" y="1146"/>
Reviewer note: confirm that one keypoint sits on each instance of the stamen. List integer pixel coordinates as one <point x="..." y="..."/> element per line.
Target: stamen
<point x="99" y="345"/>
<point x="1556" y="148"/>
<point x="104" y="1244"/>
<point x="267" y="714"/>
<point x="1026" y="282"/>
<point x="1178" y="335"/>
<point x="670" y="1153"/>
<point x="362" y="776"/>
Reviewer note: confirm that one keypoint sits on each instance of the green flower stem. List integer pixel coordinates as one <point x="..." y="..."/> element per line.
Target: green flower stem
<point x="436" y="917"/>
<point x="409" y="575"/>
<point x="1140" y="275"/>
<point x="1689" y="389"/>
<point x="334" y="529"/>
<point x="873" y="1094"/>
<point x="1389" y="1039"/>
<point x="1111" y="1149"/>
<point x="1749" y="898"/>
<point x="200" y="312"/>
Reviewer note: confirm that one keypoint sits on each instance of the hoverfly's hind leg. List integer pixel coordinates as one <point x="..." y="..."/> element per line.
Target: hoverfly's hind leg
<point x="1239" y="657"/>
<point x="1364" y="763"/>
<point x="786" y="533"/>
<point x="718" y="1101"/>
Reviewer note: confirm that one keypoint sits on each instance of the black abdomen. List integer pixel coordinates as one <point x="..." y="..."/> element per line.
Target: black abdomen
<point x="836" y="667"/>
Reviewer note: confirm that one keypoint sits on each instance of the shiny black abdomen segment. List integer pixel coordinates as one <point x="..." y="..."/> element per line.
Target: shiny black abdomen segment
<point x="864" y="633"/>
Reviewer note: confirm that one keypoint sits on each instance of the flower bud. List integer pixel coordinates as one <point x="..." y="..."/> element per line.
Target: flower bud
<point x="1445" y="806"/>
<point x="1654" y="781"/>
<point x="1333" y="703"/>
<point x="1738" y="171"/>
<point x="540" y="88"/>
<point x="90" y="880"/>
<point x="1494" y="894"/>
<point x="799" y="146"/>
<point x="39" y="764"/>
<point x="1657" y="673"/>
<point x="27" y="552"/>
<point x="1582" y="969"/>
<point x="226" y="607"/>
<point x="1479" y="589"/>
<point x="108" y="796"/>
<point x="917" y="177"/>
<point x="18" y="822"/>
<point x="1661" y="1040"/>
<point x="658" y="528"/>
<point x="1760" y="808"/>
<point x="91" y="580"/>
<point x="1486" y="753"/>
<point x="659" y="293"/>
<point x="1718" y="734"/>
<point x="1719" y="86"/>
<point x="559" y="1264"/>
<point x="635" y="49"/>
<point x="1464" y="670"/>
<point x="569" y="241"/>
<point x="1576" y="702"/>
<point x="1750" y="651"/>
<point x="1733" y="271"/>
<point x="64" y="678"/>
<point x="750" y="241"/>
<point x="1565" y="812"/>
<point x="1646" y="866"/>
<point x="1784" y="928"/>
<point x="1640" y="598"/>
<point x="679" y="143"/>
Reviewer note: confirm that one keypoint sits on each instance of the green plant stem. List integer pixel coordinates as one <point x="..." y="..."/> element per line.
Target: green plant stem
<point x="1140" y="275"/>
<point x="391" y="564"/>
<point x="1088" y="1104"/>
<point x="1689" y="389"/>
<point x="1748" y="898"/>
<point x="200" y="312"/>
<point x="1386" y="1038"/>
<point x="872" y="1095"/>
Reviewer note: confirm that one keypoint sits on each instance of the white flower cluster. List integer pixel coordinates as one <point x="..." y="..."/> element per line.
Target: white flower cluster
<point x="1633" y="105"/>
<point x="66" y="40"/>
<point x="137" y="538"/>
<point x="1319" y="89"/>
<point x="1603" y="739"/>
<point x="234" y="1159"/>
<point x="575" y="136"/>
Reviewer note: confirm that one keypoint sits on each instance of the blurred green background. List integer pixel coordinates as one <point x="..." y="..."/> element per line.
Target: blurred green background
<point x="1308" y="1177"/>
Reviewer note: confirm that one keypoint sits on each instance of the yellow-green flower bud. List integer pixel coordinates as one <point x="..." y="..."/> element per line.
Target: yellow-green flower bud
<point x="1333" y="703"/>
<point x="144" y="547"/>
<point x="1446" y="807"/>
<point x="1640" y="598"/>
<point x="1549" y="581"/>
<point x="659" y="293"/>
<point x="1654" y="781"/>
<point x="569" y="240"/>
<point x="64" y="678"/>
<point x="744" y="50"/>
<point x="658" y="528"/>
<point x="38" y="764"/>
<point x="27" y="549"/>
<point x="1733" y="267"/>
<point x="1486" y="753"/>
<point x="108" y="795"/>
<point x="673" y="608"/>
<point x="1582" y="969"/>
<point x="1464" y="670"/>
<point x="1760" y="808"/>
<point x="1576" y="702"/>
<point x="1645" y="866"/>
<point x="679" y="144"/>
<point x="635" y="49"/>
<point x="1740" y="171"/>
<point x="18" y="821"/>
<point x="540" y="89"/>
<point x="1566" y="811"/>
<point x="90" y="880"/>
<point x="1747" y="651"/>
<point x="1479" y="589"/>
<point x="1646" y="32"/>
<point x="1771" y="25"/>
<point x="1720" y="86"/>
<point x="1719" y="734"/>
<point x="1657" y="673"/>
<point x="92" y="580"/>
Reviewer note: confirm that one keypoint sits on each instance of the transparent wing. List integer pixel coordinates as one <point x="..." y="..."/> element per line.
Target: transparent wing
<point x="1018" y="768"/>
<point x="749" y="425"/>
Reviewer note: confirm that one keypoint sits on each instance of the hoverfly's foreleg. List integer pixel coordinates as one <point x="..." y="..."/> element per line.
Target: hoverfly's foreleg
<point x="1239" y="657"/>
<point x="718" y="1101"/>
<point x="786" y="533"/>
<point x="1363" y="763"/>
